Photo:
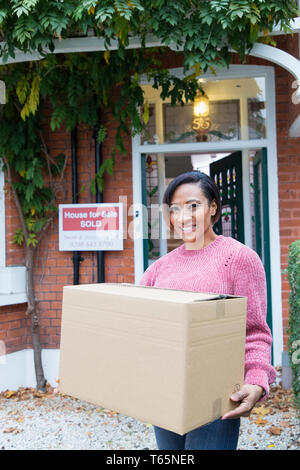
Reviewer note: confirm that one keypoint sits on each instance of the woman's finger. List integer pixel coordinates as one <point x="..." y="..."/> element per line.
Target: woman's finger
<point x="242" y="409"/>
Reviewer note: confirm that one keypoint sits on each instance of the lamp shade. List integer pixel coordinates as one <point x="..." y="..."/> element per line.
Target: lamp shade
<point x="201" y="105"/>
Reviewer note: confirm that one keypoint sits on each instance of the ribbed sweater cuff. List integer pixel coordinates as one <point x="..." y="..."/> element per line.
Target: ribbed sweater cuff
<point x="258" y="377"/>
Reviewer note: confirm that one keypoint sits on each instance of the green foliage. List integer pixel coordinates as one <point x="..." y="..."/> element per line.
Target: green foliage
<point x="206" y="29"/>
<point x="20" y="146"/>
<point x="18" y="238"/>
<point x="293" y="272"/>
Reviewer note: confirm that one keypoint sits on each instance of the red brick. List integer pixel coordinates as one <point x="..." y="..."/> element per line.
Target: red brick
<point x="16" y="332"/>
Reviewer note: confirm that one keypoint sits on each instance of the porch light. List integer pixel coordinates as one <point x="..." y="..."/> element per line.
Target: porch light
<point x="201" y="117"/>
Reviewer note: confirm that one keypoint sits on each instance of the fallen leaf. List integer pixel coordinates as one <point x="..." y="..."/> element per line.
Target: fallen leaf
<point x="10" y="393"/>
<point x="285" y="424"/>
<point x="270" y="445"/>
<point x="261" y="422"/>
<point x="262" y="411"/>
<point x="12" y="430"/>
<point x="274" y="430"/>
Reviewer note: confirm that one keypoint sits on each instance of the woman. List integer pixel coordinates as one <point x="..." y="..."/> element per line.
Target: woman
<point x="207" y="262"/>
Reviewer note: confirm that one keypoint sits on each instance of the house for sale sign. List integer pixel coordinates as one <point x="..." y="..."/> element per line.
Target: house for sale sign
<point x="90" y="227"/>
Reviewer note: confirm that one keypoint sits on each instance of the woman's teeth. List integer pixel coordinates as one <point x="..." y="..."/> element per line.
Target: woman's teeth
<point x="188" y="229"/>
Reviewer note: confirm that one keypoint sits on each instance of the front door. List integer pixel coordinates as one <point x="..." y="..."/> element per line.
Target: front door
<point x="228" y="176"/>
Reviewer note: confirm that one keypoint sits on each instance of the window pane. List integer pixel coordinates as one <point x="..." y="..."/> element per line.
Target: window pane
<point x="256" y="119"/>
<point x="237" y="111"/>
<point x="224" y="114"/>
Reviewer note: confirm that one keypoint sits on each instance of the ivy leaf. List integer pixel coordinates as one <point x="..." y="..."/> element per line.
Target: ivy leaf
<point x="146" y="113"/>
<point x="32" y="240"/>
<point x="18" y="237"/>
<point x="29" y="190"/>
<point x="102" y="133"/>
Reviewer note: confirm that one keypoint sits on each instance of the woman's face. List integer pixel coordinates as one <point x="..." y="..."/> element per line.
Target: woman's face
<point x="190" y="213"/>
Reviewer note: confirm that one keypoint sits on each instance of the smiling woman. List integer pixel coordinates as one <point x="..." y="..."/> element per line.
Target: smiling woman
<point x="207" y="262"/>
<point x="193" y="204"/>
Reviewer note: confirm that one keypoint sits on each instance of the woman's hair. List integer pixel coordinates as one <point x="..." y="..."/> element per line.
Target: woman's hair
<point x="206" y="184"/>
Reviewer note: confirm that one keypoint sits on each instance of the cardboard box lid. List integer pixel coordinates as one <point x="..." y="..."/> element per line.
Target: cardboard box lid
<point x="150" y="293"/>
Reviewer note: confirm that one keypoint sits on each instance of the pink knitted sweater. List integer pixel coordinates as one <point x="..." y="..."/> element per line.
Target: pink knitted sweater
<point x="225" y="266"/>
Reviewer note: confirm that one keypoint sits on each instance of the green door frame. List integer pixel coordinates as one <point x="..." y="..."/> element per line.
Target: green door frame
<point x="262" y="229"/>
<point x="145" y="208"/>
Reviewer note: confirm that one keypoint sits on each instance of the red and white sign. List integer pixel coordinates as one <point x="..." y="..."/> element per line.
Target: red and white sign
<point x="90" y="227"/>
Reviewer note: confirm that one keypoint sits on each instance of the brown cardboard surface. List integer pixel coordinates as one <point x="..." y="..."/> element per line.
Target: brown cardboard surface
<point x="166" y="357"/>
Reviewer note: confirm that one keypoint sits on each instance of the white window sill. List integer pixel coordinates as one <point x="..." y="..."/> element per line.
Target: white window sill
<point x="13" y="299"/>
<point x="13" y="285"/>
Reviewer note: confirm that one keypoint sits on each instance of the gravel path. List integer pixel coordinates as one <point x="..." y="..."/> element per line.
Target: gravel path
<point x="30" y="420"/>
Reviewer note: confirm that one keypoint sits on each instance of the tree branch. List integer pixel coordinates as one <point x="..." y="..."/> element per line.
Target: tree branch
<point x="48" y="158"/>
<point x="44" y="229"/>
<point x="17" y="200"/>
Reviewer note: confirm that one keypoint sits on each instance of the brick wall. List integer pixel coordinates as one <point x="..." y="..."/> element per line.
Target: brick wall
<point x="54" y="269"/>
<point x="14" y="328"/>
<point x="288" y="171"/>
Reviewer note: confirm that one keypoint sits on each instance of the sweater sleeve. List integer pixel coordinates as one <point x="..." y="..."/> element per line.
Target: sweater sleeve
<point x="249" y="280"/>
<point x="148" y="277"/>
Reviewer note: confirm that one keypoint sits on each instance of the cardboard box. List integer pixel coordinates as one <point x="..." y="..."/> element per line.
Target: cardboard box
<point x="167" y="357"/>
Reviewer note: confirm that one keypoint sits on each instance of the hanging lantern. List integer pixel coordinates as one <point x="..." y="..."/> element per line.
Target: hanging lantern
<point x="201" y="118"/>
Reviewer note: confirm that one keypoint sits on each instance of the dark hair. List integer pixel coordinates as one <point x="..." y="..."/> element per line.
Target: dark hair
<point x="206" y="184"/>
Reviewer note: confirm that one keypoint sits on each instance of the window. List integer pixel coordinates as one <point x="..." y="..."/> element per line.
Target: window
<point x="237" y="110"/>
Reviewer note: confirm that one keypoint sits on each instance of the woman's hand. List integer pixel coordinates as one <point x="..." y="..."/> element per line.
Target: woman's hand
<point x="248" y="396"/>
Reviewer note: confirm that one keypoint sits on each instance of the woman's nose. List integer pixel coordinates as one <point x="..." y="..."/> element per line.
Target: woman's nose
<point x="185" y="216"/>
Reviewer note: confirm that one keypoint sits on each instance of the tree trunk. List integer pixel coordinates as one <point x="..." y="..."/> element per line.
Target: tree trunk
<point x="35" y="329"/>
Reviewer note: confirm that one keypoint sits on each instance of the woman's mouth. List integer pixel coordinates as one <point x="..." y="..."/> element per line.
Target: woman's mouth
<point x="189" y="228"/>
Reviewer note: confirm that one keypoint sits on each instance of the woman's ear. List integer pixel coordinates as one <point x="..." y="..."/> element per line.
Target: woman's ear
<point x="213" y="208"/>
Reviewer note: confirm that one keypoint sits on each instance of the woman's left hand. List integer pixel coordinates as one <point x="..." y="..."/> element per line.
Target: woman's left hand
<point x="248" y="396"/>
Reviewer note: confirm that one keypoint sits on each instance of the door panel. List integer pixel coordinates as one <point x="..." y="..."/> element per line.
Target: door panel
<point x="228" y="176"/>
<point x="261" y="220"/>
<point x="145" y="215"/>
